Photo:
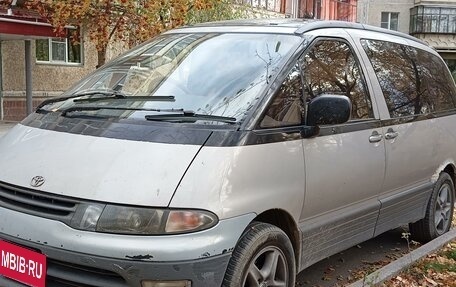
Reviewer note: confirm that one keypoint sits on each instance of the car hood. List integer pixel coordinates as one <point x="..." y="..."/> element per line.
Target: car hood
<point x="94" y="168"/>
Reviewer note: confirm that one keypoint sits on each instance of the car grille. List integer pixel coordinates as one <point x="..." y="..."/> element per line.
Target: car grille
<point x="64" y="274"/>
<point x="37" y="203"/>
<point x="59" y="273"/>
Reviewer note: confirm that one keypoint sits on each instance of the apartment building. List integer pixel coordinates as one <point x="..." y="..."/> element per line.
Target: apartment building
<point x="434" y="22"/>
<point x="345" y="10"/>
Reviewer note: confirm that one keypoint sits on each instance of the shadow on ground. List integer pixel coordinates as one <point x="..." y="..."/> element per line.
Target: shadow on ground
<point x="350" y="265"/>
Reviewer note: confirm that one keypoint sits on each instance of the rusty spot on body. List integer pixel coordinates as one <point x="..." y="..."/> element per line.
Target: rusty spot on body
<point x="140" y="257"/>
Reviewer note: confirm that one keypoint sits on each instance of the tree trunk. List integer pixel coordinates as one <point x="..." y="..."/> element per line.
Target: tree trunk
<point x="101" y="57"/>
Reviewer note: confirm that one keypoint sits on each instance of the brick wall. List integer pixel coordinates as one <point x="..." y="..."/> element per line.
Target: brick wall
<point x="14" y="109"/>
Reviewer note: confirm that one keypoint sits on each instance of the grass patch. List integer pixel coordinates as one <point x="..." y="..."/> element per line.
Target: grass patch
<point x="451" y="254"/>
<point x="440" y="267"/>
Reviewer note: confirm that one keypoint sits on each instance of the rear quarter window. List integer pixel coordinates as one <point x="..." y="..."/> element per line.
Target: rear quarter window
<point x="413" y="81"/>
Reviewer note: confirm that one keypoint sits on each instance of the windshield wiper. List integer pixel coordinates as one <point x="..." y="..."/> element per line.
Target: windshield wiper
<point x="65" y="112"/>
<point x="107" y="95"/>
<point x="175" y="115"/>
<point x="110" y="93"/>
<point x="190" y="116"/>
<point x="88" y="93"/>
<point x="128" y="98"/>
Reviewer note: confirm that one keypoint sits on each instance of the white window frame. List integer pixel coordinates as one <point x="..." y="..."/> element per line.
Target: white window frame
<point x="389" y="20"/>
<point x="269" y="5"/>
<point x="65" y="62"/>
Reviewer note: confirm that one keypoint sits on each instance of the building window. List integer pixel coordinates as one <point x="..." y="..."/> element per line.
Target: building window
<point x="270" y="5"/>
<point x="66" y="50"/>
<point x="425" y="19"/>
<point x="390" y="20"/>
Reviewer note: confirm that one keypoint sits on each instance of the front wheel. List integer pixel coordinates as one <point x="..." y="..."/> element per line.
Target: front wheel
<point x="439" y="212"/>
<point x="263" y="257"/>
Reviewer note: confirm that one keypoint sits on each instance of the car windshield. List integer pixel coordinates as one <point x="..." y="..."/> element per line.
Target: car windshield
<point x="205" y="73"/>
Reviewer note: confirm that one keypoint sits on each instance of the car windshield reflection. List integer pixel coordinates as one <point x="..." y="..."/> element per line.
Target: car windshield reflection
<point x="208" y="73"/>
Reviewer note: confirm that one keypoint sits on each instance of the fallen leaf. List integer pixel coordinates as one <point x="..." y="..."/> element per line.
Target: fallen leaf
<point x="431" y="281"/>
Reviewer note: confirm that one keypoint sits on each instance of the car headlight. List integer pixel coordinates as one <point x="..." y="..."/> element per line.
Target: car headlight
<point x="139" y="220"/>
<point x="129" y="220"/>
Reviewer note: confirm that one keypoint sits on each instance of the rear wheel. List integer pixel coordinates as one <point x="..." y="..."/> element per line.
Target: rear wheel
<point x="439" y="212"/>
<point x="263" y="257"/>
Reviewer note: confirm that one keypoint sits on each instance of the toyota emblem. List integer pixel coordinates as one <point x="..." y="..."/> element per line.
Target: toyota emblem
<point x="37" y="181"/>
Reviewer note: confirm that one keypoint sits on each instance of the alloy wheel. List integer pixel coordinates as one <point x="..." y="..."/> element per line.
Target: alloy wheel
<point x="443" y="209"/>
<point x="268" y="269"/>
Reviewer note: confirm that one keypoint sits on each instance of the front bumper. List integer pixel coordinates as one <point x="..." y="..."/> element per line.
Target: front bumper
<point x="66" y="268"/>
<point x="80" y="258"/>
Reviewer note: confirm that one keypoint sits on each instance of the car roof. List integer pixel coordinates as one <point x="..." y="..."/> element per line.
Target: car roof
<point x="284" y="25"/>
<point x="279" y="22"/>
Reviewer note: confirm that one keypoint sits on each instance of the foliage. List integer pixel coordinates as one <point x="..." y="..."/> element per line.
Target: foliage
<point x="451" y="254"/>
<point x="440" y="267"/>
<point x="4" y="4"/>
<point x="130" y="21"/>
<point x="222" y="10"/>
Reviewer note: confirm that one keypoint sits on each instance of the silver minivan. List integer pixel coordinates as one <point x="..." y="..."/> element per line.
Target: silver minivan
<point x="229" y="154"/>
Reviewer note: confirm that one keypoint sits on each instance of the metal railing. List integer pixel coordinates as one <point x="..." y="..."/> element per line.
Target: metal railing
<point x="433" y="23"/>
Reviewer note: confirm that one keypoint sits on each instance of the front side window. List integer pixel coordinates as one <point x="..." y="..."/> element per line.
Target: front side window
<point x="60" y="50"/>
<point x="390" y="20"/>
<point x="413" y="81"/>
<point x="288" y="106"/>
<point x="329" y="67"/>
<point x="204" y="73"/>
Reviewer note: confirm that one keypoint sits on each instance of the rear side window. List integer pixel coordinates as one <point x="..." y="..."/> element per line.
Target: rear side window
<point x="413" y="81"/>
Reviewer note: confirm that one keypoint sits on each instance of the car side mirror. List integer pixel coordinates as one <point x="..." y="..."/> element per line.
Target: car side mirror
<point x="328" y="110"/>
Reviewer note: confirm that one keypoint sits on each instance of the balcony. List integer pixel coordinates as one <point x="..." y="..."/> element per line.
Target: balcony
<point x="432" y="20"/>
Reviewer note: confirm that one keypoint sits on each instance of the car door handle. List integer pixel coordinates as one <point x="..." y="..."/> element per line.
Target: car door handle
<point x="375" y="137"/>
<point x="391" y="134"/>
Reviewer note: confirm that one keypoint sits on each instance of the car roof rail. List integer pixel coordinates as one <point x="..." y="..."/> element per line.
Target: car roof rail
<point x="315" y="25"/>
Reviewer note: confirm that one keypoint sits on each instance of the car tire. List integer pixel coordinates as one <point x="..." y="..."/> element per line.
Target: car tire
<point x="439" y="211"/>
<point x="263" y="257"/>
